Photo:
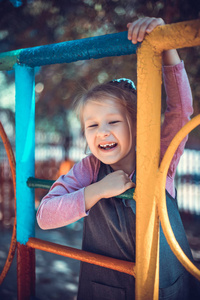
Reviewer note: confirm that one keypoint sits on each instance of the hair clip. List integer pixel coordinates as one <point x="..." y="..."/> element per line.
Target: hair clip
<point x="127" y="80"/>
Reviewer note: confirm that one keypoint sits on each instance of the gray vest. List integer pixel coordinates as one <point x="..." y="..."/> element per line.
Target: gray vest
<point x="110" y="230"/>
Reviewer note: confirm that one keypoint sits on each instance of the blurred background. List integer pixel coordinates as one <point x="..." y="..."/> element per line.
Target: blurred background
<point x="59" y="144"/>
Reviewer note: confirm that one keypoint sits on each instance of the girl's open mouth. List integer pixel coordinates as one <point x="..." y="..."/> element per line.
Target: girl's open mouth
<point x="107" y="146"/>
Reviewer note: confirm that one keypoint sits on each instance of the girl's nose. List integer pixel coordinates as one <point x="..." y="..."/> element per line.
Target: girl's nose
<point x="103" y="131"/>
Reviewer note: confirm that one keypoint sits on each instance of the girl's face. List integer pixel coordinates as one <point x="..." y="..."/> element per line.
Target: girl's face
<point x="110" y="134"/>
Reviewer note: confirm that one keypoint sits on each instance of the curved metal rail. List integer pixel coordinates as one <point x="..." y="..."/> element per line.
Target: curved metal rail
<point x="161" y="199"/>
<point x="13" y="243"/>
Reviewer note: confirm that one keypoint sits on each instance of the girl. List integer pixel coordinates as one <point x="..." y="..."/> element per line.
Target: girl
<point x="108" y="118"/>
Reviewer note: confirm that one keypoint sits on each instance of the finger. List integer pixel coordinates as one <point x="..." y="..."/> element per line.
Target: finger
<point x="154" y="23"/>
<point x="138" y="29"/>
<point x="131" y="26"/>
<point x="147" y="26"/>
<point x="134" y="29"/>
<point x="128" y="180"/>
<point x="143" y="29"/>
<point x="130" y="185"/>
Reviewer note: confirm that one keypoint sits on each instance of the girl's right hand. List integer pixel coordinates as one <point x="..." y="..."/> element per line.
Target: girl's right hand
<point x="115" y="184"/>
<point x="110" y="186"/>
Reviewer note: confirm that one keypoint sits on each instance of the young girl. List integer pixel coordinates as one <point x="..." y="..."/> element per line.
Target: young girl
<point x="108" y="118"/>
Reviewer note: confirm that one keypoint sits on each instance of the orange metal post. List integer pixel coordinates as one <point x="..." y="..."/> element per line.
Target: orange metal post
<point x="92" y="258"/>
<point x="179" y="35"/>
<point x="148" y="149"/>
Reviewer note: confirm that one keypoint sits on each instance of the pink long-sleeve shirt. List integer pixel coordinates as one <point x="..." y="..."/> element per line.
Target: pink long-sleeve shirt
<point x="65" y="202"/>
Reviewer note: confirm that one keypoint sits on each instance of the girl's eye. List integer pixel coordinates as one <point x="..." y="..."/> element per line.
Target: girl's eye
<point x="114" y="122"/>
<point x="93" y="125"/>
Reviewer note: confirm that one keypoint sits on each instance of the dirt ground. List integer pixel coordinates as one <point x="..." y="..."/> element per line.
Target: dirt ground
<point x="57" y="276"/>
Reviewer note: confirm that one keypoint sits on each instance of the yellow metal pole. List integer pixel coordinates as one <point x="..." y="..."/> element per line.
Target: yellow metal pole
<point x="179" y="35"/>
<point x="161" y="199"/>
<point x="148" y="151"/>
<point x="175" y="36"/>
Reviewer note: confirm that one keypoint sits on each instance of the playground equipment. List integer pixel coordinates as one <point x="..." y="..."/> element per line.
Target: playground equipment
<point x="13" y="243"/>
<point x="146" y="269"/>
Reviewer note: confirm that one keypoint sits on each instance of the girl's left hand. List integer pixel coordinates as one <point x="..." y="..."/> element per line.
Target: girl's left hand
<point x="138" y="28"/>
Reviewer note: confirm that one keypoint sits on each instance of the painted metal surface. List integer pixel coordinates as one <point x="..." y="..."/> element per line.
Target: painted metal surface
<point x="25" y="272"/>
<point x="25" y="151"/>
<point x="92" y="258"/>
<point x="148" y="149"/>
<point x="172" y="36"/>
<point x="175" y="36"/>
<point x="13" y="244"/>
<point x="46" y="184"/>
<point x="115" y="44"/>
<point x="102" y="46"/>
<point x="8" y="59"/>
<point x="161" y="201"/>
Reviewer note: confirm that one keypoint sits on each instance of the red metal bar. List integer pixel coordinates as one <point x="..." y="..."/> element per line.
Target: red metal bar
<point x="25" y="272"/>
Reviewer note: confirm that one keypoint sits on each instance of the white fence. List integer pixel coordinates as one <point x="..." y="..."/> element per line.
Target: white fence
<point x="188" y="181"/>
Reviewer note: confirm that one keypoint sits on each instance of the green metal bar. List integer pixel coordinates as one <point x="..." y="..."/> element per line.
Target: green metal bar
<point x="46" y="184"/>
<point x="39" y="183"/>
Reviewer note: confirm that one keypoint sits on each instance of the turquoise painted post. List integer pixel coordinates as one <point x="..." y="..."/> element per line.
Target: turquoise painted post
<point x="25" y="167"/>
<point x="25" y="151"/>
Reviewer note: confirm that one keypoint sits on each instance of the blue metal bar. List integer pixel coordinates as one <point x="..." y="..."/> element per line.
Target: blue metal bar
<point x="96" y="47"/>
<point x="115" y="44"/>
<point x="25" y="151"/>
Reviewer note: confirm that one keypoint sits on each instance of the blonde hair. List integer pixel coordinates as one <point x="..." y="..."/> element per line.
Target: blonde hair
<point x="122" y="92"/>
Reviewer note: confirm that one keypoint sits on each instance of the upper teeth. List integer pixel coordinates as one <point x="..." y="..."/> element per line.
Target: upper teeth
<point x="108" y="145"/>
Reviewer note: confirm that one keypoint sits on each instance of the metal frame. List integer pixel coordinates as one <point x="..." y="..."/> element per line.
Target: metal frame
<point x="185" y="34"/>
